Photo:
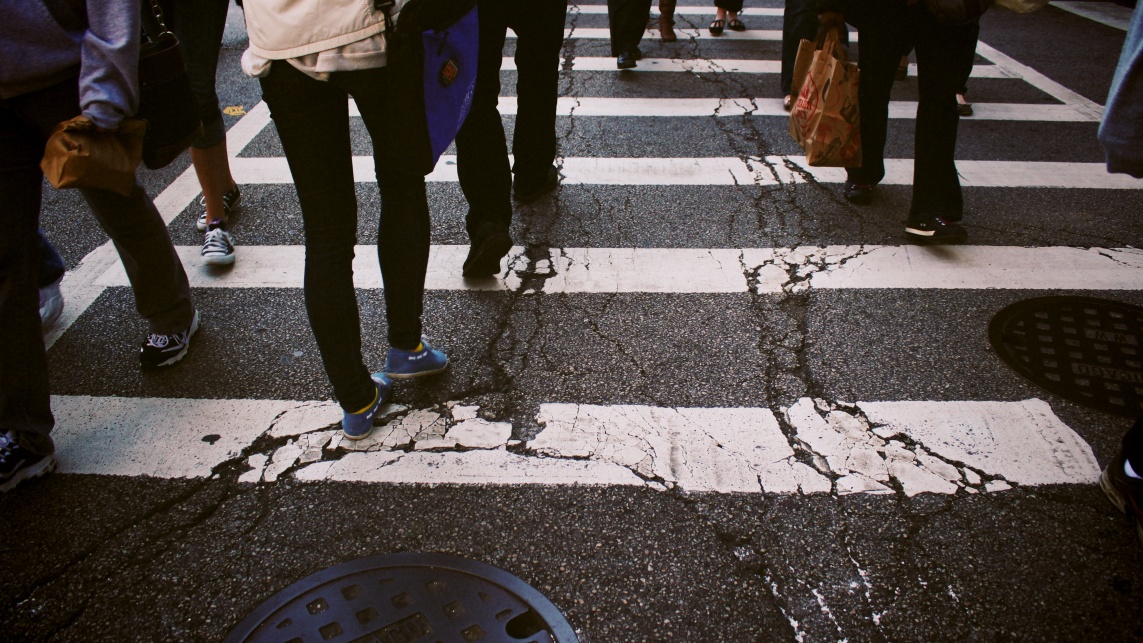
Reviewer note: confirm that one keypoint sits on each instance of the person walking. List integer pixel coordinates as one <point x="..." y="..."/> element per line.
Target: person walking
<point x="199" y="25"/>
<point x="628" y="21"/>
<point x="481" y="149"/>
<point x="309" y="63"/>
<point x="886" y="29"/>
<point x="75" y="59"/>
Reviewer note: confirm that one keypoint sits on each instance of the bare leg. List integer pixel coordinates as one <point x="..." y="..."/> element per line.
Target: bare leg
<point x="213" y="169"/>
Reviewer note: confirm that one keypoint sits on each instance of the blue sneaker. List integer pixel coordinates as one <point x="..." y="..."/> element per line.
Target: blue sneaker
<point x="425" y="360"/>
<point x="358" y="426"/>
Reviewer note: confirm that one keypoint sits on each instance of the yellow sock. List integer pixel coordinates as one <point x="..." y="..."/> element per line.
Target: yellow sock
<point x="420" y="347"/>
<point x="376" y="392"/>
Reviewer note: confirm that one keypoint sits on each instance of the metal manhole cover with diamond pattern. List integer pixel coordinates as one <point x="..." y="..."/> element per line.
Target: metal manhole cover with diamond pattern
<point x="407" y="598"/>
<point x="1083" y="349"/>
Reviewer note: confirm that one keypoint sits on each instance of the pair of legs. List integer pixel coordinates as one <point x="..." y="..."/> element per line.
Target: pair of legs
<point x="482" y="152"/>
<point x="199" y="25"/>
<point x="885" y="33"/>
<point x="726" y="16"/>
<point x="162" y="294"/>
<point x="313" y="125"/>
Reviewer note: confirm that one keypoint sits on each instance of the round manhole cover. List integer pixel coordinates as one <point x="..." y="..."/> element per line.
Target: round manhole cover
<point x="1083" y="349"/>
<point x="407" y="598"/>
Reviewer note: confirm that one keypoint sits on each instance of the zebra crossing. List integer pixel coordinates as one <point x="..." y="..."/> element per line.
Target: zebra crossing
<point x="713" y="324"/>
<point x="564" y="270"/>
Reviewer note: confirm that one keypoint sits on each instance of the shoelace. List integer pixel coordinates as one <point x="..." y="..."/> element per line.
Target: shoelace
<point x="216" y="242"/>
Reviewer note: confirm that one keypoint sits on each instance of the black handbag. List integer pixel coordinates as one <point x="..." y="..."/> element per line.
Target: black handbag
<point x="166" y="101"/>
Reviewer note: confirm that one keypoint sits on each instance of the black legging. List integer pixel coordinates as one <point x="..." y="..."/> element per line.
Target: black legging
<point x="733" y="6"/>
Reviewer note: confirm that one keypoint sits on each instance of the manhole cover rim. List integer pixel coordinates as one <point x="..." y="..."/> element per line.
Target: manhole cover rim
<point x="999" y="326"/>
<point x="551" y="615"/>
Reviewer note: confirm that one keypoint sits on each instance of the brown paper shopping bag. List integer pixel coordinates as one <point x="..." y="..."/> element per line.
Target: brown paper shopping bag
<point x="825" y="119"/>
<point x="77" y="155"/>
<point x="802" y="63"/>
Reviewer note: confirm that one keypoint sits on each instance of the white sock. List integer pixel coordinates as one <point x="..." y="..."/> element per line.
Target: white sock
<point x="1129" y="471"/>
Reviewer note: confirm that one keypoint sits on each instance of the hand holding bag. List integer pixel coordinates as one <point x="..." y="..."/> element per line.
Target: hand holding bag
<point x="78" y="155"/>
<point x="825" y="119"/>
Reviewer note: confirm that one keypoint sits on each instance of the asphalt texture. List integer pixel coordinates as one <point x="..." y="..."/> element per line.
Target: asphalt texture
<point x="117" y="558"/>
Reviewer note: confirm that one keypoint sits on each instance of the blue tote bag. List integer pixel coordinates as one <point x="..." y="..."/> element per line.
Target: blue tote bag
<point x="432" y="58"/>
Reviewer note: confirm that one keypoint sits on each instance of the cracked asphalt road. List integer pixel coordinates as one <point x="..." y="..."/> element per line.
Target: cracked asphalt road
<point x="106" y="557"/>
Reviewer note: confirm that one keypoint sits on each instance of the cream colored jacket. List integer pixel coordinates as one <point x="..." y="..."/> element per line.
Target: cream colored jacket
<point x="281" y="29"/>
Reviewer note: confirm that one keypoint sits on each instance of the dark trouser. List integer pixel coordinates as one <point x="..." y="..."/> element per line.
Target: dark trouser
<point x="628" y="21"/>
<point x="162" y="294"/>
<point x="199" y="25"/>
<point x="51" y="263"/>
<point x="734" y="6"/>
<point x="799" y="22"/>
<point x="886" y="31"/>
<point x="967" y="58"/>
<point x="482" y="154"/>
<point x="313" y="124"/>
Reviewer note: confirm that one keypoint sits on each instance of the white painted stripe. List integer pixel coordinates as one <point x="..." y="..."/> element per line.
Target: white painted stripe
<point x="715" y="65"/>
<point x="710" y="270"/>
<point x="1105" y="13"/>
<point x="723" y="450"/>
<point x="770" y="170"/>
<point x="155" y="436"/>
<point x="1040" y="81"/>
<point x="683" y="32"/>
<point x="696" y="10"/>
<point x="727" y="107"/>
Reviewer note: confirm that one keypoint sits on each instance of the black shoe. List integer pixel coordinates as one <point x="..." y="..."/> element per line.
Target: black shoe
<point x="486" y="251"/>
<point x="626" y="60"/>
<point x="528" y="191"/>
<point x="936" y="230"/>
<point x="1124" y="492"/>
<point x="165" y="350"/>
<point x="858" y="193"/>
<point x="18" y="462"/>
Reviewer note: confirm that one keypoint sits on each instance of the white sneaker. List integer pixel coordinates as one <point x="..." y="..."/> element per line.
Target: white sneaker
<point x="51" y="304"/>
<point x="218" y="250"/>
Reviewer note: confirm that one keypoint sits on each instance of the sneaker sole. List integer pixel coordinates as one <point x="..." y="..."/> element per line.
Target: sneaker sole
<point x="1111" y="492"/>
<point x="409" y="376"/>
<point x="218" y="260"/>
<point x="920" y="238"/>
<point x="201" y="224"/>
<point x="45" y="466"/>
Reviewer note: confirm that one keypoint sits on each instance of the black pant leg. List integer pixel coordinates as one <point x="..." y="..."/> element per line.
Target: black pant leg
<point x="628" y="21"/>
<point x="936" y="185"/>
<point x="539" y="30"/>
<point x="881" y="41"/>
<point x="481" y="150"/>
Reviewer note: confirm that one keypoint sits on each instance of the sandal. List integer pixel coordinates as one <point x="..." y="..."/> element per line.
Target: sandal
<point x="716" y="27"/>
<point x="736" y="25"/>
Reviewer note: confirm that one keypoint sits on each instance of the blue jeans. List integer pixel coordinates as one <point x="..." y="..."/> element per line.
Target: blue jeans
<point x="162" y="294"/>
<point x="313" y="124"/>
<point x="51" y="263"/>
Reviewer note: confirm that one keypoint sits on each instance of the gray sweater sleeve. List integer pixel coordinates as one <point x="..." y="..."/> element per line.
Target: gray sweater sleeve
<point x="1121" y="132"/>
<point x="109" y="62"/>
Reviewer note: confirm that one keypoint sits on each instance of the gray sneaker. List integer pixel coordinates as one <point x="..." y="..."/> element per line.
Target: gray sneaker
<point x="230" y="202"/>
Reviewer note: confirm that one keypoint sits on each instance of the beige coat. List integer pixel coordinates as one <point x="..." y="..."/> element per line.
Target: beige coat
<point x="281" y="29"/>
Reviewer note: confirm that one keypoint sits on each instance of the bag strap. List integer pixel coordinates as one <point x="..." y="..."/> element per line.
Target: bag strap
<point x="829" y="41"/>
<point x="385" y="7"/>
<point x="153" y="24"/>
